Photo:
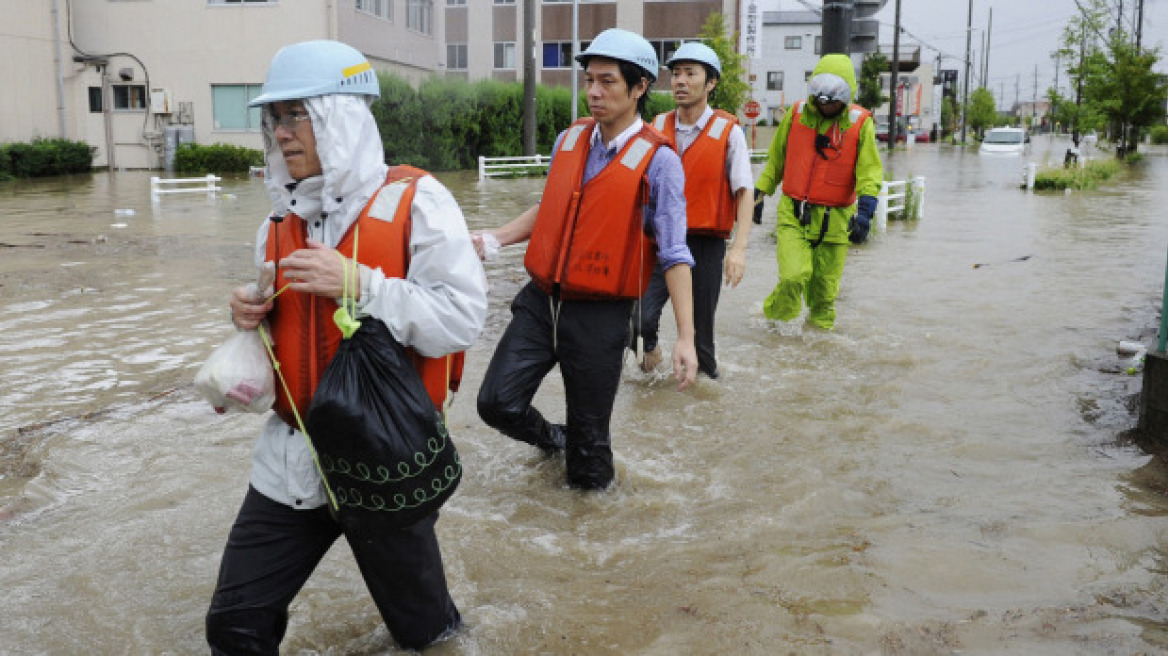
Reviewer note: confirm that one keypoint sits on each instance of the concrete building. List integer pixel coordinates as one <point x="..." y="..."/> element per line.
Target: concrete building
<point x="791" y="47"/>
<point x="918" y="97"/>
<point x="134" y="78"/>
<point x="484" y="38"/>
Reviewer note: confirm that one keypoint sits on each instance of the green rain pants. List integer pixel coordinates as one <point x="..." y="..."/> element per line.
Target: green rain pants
<point x="805" y="273"/>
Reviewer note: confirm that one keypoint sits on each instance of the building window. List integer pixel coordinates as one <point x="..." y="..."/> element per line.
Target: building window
<point x="557" y="54"/>
<point x="806" y="75"/>
<point x="455" y="3"/>
<point x="456" y="56"/>
<point x="419" y="16"/>
<point x="240" y="2"/>
<point x="665" y="48"/>
<point x="818" y="44"/>
<point x="378" y="8"/>
<point x="505" y="55"/>
<point x="774" y="80"/>
<point x="229" y="106"/>
<point x="793" y="43"/>
<point x="555" y="2"/>
<point x="504" y="2"/>
<point x="129" y="97"/>
<point x="95" y="103"/>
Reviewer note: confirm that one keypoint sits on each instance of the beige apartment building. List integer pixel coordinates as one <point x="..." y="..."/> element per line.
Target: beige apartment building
<point x="134" y="78"/>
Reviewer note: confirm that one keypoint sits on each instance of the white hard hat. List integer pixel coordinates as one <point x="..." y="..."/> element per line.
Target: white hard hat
<point x="698" y="52"/>
<point x="317" y="68"/>
<point x="615" y="43"/>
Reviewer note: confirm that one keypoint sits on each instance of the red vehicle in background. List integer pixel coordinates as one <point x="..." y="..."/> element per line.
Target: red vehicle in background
<point x="920" y="135"/>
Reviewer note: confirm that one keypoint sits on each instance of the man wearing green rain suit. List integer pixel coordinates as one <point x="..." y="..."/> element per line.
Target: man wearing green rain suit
<point x="831" y="173"/>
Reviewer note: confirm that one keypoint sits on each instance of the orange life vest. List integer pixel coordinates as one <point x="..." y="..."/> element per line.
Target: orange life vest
<point x="305" y="336"/>
<point x="709" y="204"/>
<point x="807" y="176"/>
<point x="589" y="240"/>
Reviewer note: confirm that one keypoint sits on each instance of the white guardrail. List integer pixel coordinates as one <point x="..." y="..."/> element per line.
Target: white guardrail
<point x="161" y="186"/>
<point x="893" y="198"/>
<point x="490" y="167"/>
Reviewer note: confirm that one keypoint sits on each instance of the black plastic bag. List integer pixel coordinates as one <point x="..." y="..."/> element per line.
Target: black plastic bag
<point x="382" y="445"/>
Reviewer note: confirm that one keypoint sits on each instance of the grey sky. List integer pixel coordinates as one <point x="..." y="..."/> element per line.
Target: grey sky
<point x="1023" y="35"/>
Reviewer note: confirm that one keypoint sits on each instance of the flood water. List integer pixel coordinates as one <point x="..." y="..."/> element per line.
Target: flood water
<point x="946" y="472"/>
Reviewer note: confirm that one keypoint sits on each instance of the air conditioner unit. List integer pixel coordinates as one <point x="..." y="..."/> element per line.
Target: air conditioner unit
<point x="161" y="101"/>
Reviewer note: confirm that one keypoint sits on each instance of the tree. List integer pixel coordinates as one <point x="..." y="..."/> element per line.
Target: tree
<point x="1062" y="110"/>
<point x="871" y="93"/>
<point x="1080" y="37"/>
<point x="733" y="89"/>
<point x="982" y="112"/>
<point x="948" y="115"/>
<point x="1125" y="88"/>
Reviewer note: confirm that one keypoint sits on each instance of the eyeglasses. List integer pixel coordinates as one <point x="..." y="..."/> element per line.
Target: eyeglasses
<point x="288" y="121"/>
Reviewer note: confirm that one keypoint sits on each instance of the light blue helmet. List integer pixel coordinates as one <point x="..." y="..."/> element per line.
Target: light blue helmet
<point x="317" y="68"/>
<point x="698" y="52"/>
<point x="615" y="43"/>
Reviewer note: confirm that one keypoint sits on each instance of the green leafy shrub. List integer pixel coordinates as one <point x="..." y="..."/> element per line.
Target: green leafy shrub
<point x="446" y="124"/>
<point x="44" y="157"/>
<point x="216" y="158"/>
<point x="1160" y="134"/>
<point x="1086" y="177"/>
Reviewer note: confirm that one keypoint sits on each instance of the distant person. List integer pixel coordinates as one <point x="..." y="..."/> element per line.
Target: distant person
<point x="825" y="155"/>
<point x="613" y="204"/>
<point x="718" y="200"/>
<point x="330" y="187"/>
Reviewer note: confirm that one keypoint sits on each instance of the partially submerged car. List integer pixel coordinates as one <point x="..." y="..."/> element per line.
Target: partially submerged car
<point x="1004" y="141"/>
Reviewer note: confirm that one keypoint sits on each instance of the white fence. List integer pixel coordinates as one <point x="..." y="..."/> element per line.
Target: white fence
<point x="894" y="196"/>
<point x="490" y="167"/>
<point x="160" y="186"/>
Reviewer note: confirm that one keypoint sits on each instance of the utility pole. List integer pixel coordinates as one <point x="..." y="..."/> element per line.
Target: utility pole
<point x="1034" y="103"/>
<point x="893" y="92"/>
<point x="985" y="76"/>
<point x="1139" y="26"/>
<point x="965" y="94"/>
<point x="981" y="68"/>
<point x="1079" y="84"/>
<point x="529" y="77"/>
<point x="575" y="64"/>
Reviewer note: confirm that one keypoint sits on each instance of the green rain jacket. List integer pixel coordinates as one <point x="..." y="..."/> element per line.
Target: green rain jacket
<point x="869" y="170"/>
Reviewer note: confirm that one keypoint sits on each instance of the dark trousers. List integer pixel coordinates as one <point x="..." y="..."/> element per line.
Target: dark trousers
<point x="709" y="254"/>
<point x="271" y="551"/>
<point x="587" y="339"/>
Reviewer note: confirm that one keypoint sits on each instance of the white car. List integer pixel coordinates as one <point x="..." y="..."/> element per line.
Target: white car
<point x="1006" y="141"/>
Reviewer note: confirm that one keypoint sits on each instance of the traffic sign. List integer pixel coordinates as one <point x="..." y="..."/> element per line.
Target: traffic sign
<point x="752" y="109"/>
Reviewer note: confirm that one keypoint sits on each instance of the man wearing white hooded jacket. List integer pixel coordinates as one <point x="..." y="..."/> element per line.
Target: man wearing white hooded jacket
<point x="325" y="166"/>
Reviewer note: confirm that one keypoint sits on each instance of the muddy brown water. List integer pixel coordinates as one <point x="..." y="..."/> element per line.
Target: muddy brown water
<point x="944" y="473"/>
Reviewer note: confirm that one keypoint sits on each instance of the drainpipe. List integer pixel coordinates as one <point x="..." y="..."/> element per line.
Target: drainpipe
<point x="60" y="73"/>
<point x="107" y="103"/>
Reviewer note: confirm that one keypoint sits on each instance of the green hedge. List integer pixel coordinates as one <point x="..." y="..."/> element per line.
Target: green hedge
<point x="1076" y="177"/>
<point x="216" y="158"/>
<point x="446" y="124"/>
<point x="1160" y="134"/>
<point x="43" y="157"/>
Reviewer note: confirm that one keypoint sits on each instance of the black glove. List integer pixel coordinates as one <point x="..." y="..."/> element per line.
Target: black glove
<point x="861" y="221"/>
<point x="758" y="196"/>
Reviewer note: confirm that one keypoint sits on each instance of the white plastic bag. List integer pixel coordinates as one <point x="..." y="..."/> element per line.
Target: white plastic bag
<point x="238" y="375"/>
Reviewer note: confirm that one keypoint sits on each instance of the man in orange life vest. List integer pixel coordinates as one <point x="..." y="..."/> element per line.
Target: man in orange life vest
<point x="717" y="198"/>
<point x="613" y="204"/>
<point x="824" y="152"/>
<point x="415" y="270"/>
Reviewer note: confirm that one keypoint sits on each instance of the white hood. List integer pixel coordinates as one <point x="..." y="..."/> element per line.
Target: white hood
<point x="351" y="157"/>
